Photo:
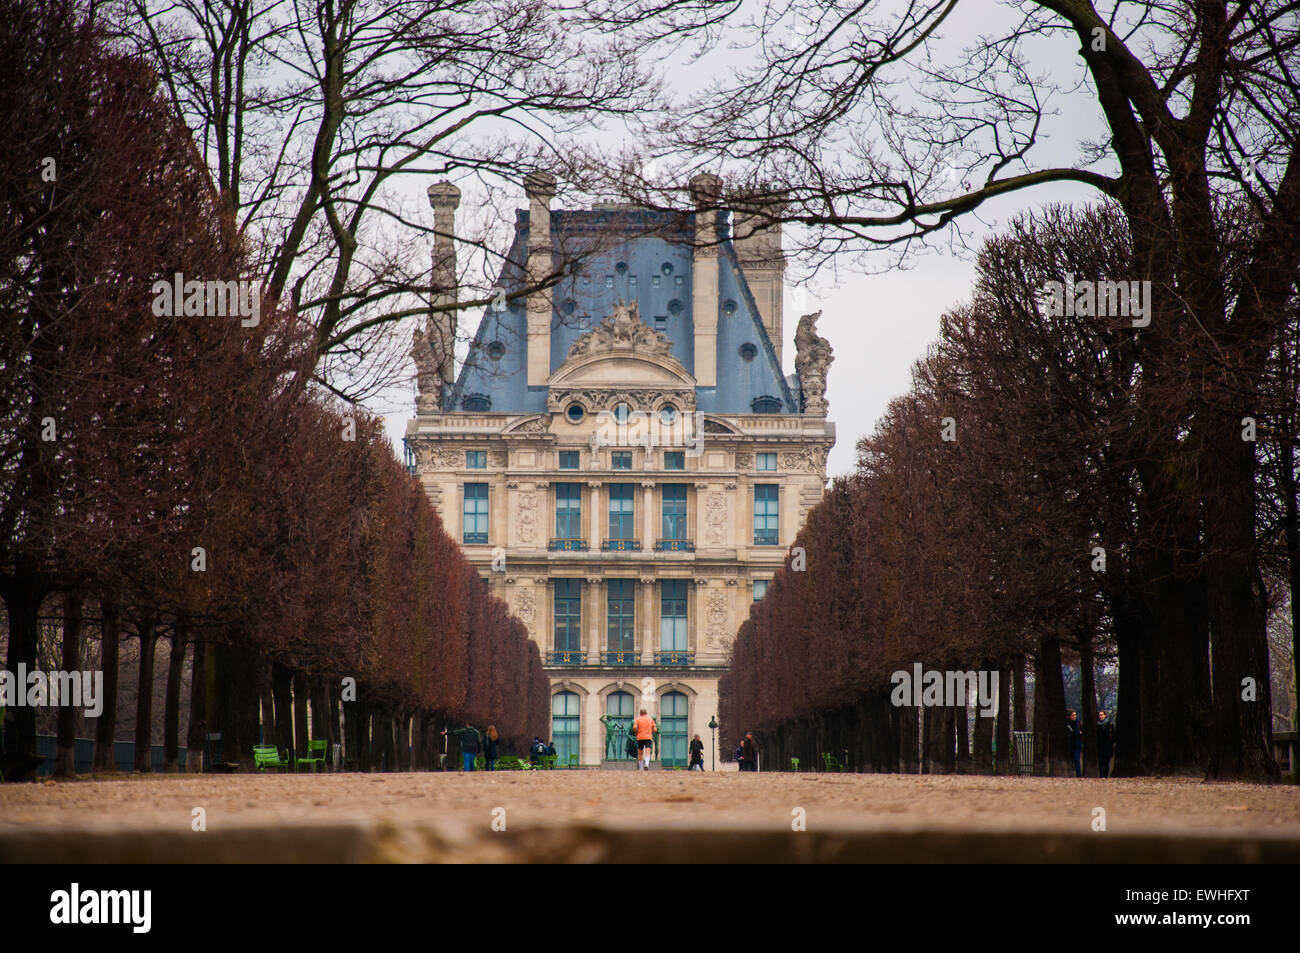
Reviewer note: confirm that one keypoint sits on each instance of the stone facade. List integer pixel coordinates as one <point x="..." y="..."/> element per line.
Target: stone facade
<point x="619" y="524"/>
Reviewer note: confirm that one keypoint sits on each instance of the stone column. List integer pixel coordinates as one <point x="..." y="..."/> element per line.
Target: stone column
<point x="706" y="190"/>
<point x="647" y="522"/>
<point x="645" y="609"/>
<point x="594" y="620"/>
<point x="540" y="188"/>
<point x="593" y="517"/>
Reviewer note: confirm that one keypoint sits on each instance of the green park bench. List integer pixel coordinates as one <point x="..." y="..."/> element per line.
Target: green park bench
<point x="547" y="762"/>
<point x="317" y="748"/>
<point x="269" y="756"/>
<point x="831" y="762"/>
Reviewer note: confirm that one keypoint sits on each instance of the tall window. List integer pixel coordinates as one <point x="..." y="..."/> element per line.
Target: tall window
<point x="621" y="511"/>
<point x="760" y="589"/>
<point x="620" y="459"/>
<point x="476" y="459"/>
<point x="672" y="730"/>
<point x="621" y="615"/>
<point x="564" y="724"/>
<point x="619" y="708"/>
<point x="674" y="511"/>
<point x="476" y="512"/>
<point x="672" y="615"/>
<point x="568" y="510"/>
<point x="766" y="514"/>
<point x="568" y="615"/>
<point x="568" y="459"/>
<point x="674" y="459"/>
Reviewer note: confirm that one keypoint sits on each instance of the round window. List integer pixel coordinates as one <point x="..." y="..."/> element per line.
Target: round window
<point x="622" y="412"/>
<point x="621" y="268"/>
<point x="667" y="413"/>
<point x="674" y="307"/>
<point x="748" y="352"/>
<point x="575" y="413"/>
<point x="667" y="268"/>
<point x="568" y="306"/>
<point x="729" y="307"/>
<point x="496" y="350"/>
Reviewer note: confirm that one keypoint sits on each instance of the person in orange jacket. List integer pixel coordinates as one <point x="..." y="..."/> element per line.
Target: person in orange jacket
<point x="644" y="728"/>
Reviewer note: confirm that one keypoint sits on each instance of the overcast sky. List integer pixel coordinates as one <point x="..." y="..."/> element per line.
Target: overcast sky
<point x="879" y="324"/>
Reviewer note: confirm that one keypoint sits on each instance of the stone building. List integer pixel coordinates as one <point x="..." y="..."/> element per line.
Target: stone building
<point x="620" y="454"/>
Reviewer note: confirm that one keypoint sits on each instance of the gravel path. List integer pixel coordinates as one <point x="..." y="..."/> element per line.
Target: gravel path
<point x="655" y="799"/>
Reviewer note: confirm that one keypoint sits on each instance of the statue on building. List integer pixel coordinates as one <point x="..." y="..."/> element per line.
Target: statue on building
<point x="428" y="382"/>
<point x="813" y="357"/>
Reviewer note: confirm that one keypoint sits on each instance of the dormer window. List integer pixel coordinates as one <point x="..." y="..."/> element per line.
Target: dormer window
<point x="765" y="405"/>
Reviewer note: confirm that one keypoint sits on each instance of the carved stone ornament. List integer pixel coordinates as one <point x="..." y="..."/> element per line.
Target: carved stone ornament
<point x="526" y="517"/>
<point x="716" y="616"/>
<point x="428" y="383"/>
<point x="622" y="328"/>
<point x="535" y="425"/>
<point x="715" y="515"/>
<point x="744" y="461"/>
<point x="596" y="399"/>
<point x="526" y="607"/>
<point x="807" y="460"/>
<point x="813" y="357"/>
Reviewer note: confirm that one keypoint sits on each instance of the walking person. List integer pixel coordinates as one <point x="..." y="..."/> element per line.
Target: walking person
<point x="644" y="729"/>
<point x="1105" y="743"/>
<point x="491" y="747"/>
<point x="739" y="755"/>
<point x="697" y="754"/>
<point x="751" y="752"/>
<point x="470" y="742"/>
<point x="1076" y="741"/>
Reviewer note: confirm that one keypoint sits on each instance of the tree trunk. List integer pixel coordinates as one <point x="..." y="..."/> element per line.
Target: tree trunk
<point x="1127" y="717"/>
<point x="403" y="740"/>
<point x="23" y="599"/>
<point x="196" y="736"/>
<point x="282" y="695"/>
<point x="1088" y="706"/>
<point x="1004" y="720"/>
<point x="148" y="631"/>
<point x="65" y="765"/>
<point x="300" y="713"/>
<point x="172" y="705"/>
<point x="1051" y="754"/>
<point x="109" y="652"/>
<point x="321" y="728"/>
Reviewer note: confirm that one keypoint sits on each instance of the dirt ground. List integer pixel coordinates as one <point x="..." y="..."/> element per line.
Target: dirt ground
<point x="661" y="800"/>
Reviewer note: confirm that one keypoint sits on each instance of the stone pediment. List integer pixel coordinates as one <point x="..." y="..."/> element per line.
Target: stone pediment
<point x="621" y="353"/>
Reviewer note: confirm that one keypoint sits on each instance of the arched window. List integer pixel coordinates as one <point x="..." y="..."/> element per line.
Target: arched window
<point x="673" y="730"/>
<point x="564" y="725"/>
<point x="765" y="405"/>
<point x="476" y="403"/>
<point x="619" y="706"/>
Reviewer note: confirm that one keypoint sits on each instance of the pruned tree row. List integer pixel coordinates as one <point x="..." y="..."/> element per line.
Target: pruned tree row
<point x="166" y="472"/>
<point x="1007" y="517"/>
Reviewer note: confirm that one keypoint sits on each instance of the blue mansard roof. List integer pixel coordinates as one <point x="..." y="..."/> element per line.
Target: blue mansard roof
<point x="651" y="265"/>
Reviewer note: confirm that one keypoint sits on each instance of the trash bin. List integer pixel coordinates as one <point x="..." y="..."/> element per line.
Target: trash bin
<point x="1023" y="745"/>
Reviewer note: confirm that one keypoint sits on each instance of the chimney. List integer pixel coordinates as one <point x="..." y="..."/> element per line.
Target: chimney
<point x="757" y="239"/>
<point x="444" y="197"/>
<point x="706" y="193"/>
<point x="539" y="186"/>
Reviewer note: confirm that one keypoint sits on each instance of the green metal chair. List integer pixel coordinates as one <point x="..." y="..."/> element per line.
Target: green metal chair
<point x="794" y="765"/>
<point x="573" y="760"/>
<point x="269" y="756"/>
<point x="317" y="749"/>
<point x="831" y="762"/>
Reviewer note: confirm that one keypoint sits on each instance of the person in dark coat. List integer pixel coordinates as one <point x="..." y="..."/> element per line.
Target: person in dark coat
<point x="1105" y="743"/>
<point x="1076" y="741"/>
<point x="491" y="747"/>
<point x="469" y="744"/>
<point x="740" y="755"/>
<point x="697" y="754"/>
<point x="751" y="752"/>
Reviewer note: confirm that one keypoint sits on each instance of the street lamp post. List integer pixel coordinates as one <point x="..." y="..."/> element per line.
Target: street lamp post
<point x="713" y="753"/>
